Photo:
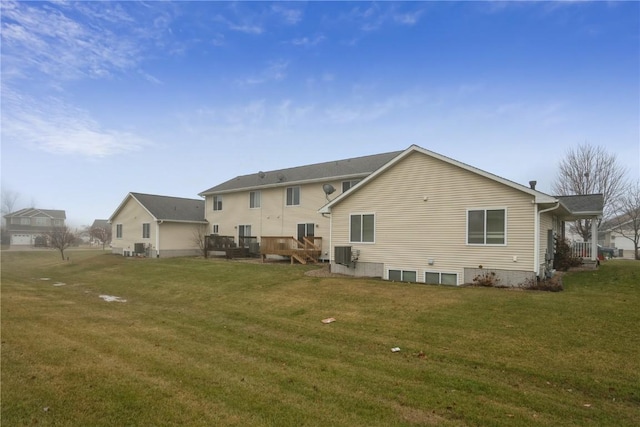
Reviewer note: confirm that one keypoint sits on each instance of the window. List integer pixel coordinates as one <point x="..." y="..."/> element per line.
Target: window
<point x="42" y="221"/>
<point x="436" y="278"/>
<point x="118" y="231"/>
<point x="402" y="275"/>
<point x="362" y="228"/>
<point x="25" y="221"/>
<point x="58" y="222"/>
<point x="146" y="230"/>
<point x="217" y="203"/>
<point x="486" y="227"/>
<point x="348" y="184"/>
<point x="306" y="230"/>
<point x="244" y="230"/>
<point x="214" y="229"/>
<point x="254" y="199"/>
<point x="293" y="196"/>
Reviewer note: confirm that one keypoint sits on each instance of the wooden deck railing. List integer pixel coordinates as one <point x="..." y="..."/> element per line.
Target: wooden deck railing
<point x="309" y="249"/>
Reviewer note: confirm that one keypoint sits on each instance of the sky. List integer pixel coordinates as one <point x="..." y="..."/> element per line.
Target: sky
<point x="99" y="99"/>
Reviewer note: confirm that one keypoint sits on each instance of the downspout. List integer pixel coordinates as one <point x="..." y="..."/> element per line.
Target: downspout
<point x="158" y="223"/>
<point x="536" y="237"/>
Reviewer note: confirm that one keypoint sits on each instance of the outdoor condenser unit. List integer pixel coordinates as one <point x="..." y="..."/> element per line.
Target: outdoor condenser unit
<point x="343" y="255"/>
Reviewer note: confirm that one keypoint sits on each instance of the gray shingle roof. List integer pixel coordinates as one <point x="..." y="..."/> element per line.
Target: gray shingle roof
<point x="32" y="212"/>
<point x="588" y="203"/>
<point x="172" y="208"/>
<point x="100" y="223"/>
<point x="357" y="167"/>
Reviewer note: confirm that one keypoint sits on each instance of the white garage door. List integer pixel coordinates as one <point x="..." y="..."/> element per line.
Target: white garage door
<point x="21" y="239"/>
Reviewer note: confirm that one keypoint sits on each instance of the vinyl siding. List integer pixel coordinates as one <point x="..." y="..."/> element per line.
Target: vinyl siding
<point x="132" y="215"/>
<point x="273" y="218"/>
<point x="177" y="236"/>
<point x="409" y="231"/>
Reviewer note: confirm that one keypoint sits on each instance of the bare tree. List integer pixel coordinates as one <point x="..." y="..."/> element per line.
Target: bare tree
<point x="198" y="237"/>
<point x="101" y="234"/>
<point x="61" y="238"/>
<point x="627" y="222"/>
<point x="9" y="199"/>
<point x="591" y="170"/>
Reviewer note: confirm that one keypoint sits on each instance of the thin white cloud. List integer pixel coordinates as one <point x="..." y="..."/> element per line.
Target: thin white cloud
<point x="53" y="126"/>
<point x="291" y="16"/>
<point x="275" y="71"/>
<point x="308" y="42"/>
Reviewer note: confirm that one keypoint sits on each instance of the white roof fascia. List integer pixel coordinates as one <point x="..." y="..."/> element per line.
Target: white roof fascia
<point x="539" y="197"/>
<point x="110" y="220"/>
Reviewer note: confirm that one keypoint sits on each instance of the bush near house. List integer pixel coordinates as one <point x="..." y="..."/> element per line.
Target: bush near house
<point x="190" y="341"/>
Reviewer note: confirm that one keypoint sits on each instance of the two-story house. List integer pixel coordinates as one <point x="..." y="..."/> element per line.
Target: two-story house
<point x="28" y="227"/>
<point x="284" y="203"/>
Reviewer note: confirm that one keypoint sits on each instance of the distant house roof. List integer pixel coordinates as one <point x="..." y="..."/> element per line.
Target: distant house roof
<point x="167" y="208"/>
<point x="33" y="212"/>
<point x="358" y="167"/>
<point x="100" y="223"/>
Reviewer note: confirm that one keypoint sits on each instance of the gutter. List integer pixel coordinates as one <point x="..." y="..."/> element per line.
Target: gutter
<point x="536" y="237"/>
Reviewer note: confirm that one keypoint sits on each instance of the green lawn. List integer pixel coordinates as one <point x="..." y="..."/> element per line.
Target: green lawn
<point x="215" y="342"/>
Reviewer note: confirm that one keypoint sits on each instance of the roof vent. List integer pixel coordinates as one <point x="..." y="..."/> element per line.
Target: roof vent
<point x="532" y="184"/>
<point x="261" y="174"/>
<point x="280" y="177"/>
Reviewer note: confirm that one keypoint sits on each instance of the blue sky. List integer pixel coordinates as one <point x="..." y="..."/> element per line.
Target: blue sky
<point x="103" y="98"/>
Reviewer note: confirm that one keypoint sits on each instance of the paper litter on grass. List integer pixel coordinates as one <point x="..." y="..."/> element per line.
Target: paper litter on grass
<point x="328" y="320"/>
<point x="111" y="298"/>
<point x="59" y="284"/>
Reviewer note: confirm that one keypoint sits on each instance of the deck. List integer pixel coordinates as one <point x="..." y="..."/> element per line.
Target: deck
<point x="303" y="251"/>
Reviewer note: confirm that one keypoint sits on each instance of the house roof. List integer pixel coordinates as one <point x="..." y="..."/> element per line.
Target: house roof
<point x="100" y="223"/>
<point x="585" y="204"/>
<point x="167" y="208"/>
<point x="33" y="212"/>
<point x="539" y="196"/>
<point x="358" y="167"/>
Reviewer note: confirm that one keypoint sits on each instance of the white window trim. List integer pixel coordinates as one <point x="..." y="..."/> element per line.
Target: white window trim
<point x="214" y="205"/>
<point x="148" y="224"/>
<point x="286" y="190"/>
<point x="374" y="227"/>
<point x="485" y="209"/>
<point x="121" y="231"/>
<point x="215" y="228"/>
<point x="259" y="193"/>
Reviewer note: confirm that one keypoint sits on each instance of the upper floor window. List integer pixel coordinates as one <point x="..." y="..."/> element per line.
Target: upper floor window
<point x="25" y="221"/>
<point x="348" y="184"/>
<point x="217" y="203"/>
<point x="42" y="221"/>
<point x="118" y="231"/>
<point x="58" y="222"/>
<point x="146" y="230"/>
<point x="487" y="227"/>
<point x="362" y="228"/>
<point x="293" y="196"/>
<point x="254" y="199"/>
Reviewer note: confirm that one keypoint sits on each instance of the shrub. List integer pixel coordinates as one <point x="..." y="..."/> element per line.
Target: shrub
<point x="564" y="259"/>
<point x="487" y="279"/>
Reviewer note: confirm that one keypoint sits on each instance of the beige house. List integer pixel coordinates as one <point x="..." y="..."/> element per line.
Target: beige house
<point x="157" y="226"/>
<point x="281" y="206"/>
<point x="423" y="217"/>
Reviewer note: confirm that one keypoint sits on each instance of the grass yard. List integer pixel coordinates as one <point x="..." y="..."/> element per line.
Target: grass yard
<point x="213" y="342"/>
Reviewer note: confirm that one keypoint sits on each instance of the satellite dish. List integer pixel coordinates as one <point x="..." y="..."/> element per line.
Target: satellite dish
<point x="328" y="189"/>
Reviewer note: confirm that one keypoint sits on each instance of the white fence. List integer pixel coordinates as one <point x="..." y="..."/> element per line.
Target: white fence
<point x="581" y="249"/>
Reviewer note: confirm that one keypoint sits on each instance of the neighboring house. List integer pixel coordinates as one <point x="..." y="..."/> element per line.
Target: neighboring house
<point x="154" y="226"/>
<point x="100" y="232"/>
<point x="283" y="204"/>
<point x="611" y="235"/>
<point x="28" y="227"/>
<point x="423" y="217"/>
